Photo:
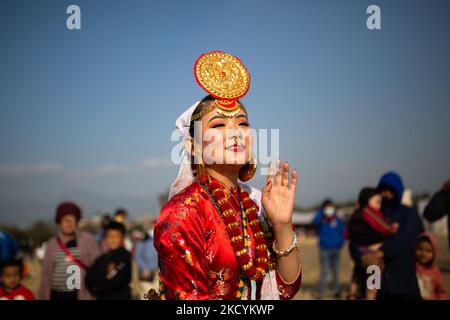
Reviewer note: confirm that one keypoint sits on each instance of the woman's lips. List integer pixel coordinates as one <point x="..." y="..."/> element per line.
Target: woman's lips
<point x="236" y="148"/>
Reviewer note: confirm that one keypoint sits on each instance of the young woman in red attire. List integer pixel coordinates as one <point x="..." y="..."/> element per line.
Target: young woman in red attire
<point x="217" y="237"/>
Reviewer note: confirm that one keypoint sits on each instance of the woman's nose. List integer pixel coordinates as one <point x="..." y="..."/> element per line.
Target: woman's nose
<point x="236" y="133"/>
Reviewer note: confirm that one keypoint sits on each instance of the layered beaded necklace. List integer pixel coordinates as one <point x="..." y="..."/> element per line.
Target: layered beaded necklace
<point x="254" y="268"/>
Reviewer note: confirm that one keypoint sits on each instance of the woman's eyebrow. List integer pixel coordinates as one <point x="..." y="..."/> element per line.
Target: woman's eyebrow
<point x="216" y="117"/>
<point x="224" y="117"/>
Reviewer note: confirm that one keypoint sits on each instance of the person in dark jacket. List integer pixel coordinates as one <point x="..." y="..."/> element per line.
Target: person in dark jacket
<point x="110" y="276"/>
<point x="331" y="239"/>
<point x="367" y="229"/>
<point x="439" y="206"/>
<point x="399" y="279"/>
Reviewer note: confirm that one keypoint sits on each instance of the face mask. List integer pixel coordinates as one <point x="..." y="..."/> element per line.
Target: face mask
<point x="387" y="203"/>
<point x="329" y="211"/>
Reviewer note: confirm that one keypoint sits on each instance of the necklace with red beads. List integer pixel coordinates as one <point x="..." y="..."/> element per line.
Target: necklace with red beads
<point x="256" y="267"/>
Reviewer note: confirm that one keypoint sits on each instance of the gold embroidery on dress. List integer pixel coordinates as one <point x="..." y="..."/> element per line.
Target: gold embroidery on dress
<point x="221" y="287"/>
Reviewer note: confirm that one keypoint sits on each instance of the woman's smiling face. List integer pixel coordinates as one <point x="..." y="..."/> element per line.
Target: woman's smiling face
<point x="226" y="140"/>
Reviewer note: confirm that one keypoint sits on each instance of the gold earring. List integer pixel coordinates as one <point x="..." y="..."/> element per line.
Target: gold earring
<point x="248" y="170"/>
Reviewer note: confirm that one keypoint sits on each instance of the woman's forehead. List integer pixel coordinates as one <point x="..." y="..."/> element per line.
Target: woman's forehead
<point x="217" y="115"/>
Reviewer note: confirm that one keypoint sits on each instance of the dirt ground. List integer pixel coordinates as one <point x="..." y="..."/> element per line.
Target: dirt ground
<point x="310" y="265"/>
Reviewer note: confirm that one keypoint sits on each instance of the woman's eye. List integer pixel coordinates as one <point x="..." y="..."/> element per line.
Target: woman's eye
<point x="244" y="124"/>
<point x="219" y="125"/>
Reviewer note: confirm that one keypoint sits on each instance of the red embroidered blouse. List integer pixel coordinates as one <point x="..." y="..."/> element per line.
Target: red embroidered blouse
<point x="196" y="258"/>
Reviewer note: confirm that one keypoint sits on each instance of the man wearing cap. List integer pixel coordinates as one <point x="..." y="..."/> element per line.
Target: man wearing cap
<point x="68" y="255"/>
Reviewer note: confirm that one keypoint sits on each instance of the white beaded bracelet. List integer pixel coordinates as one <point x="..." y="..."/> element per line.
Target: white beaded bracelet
<point x="288" y="250"/>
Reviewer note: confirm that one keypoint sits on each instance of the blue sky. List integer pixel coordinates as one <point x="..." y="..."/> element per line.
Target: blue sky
<point x="87" y="115"/>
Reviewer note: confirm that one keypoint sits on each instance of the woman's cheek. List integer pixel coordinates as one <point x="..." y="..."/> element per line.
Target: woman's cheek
<point x="248" y="137"/>
<point x="213" y="150"/>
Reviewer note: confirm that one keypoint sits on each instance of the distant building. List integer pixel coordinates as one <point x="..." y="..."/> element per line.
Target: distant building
<point x="302" y="220"/>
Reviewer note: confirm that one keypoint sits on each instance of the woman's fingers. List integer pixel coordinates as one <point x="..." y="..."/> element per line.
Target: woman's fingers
<point x="279" y="173"/>
<point x="281" y="177"/>
<point x="293" y="180"/>
<point x="270" y="173"/>
<point x="285" y="180"/>
<point x="267" y="188"/>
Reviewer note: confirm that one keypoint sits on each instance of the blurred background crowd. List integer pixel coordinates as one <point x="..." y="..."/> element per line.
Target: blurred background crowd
<point x="387" y="226"/>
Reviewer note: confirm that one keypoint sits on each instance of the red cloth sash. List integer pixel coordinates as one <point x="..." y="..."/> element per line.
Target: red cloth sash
<point x="70" y="255"/>
<point x="377" y="221"/>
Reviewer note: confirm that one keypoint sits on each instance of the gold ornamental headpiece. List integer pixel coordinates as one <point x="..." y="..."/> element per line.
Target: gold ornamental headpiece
<point x="224" y="77"/>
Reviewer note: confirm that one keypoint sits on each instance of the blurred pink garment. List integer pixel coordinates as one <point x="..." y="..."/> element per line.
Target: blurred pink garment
<point x="431" y="283"/>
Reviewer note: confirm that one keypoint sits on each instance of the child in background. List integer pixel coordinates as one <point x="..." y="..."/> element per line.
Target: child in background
<point x="430" y="280"/>
<point x="368" y="229"/>
<point x="110" y="276"/>
<point x="11" y="276"/>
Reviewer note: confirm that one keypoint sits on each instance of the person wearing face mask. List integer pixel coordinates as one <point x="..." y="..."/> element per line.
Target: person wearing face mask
<point x="331" y="239"/>
<point x="397" y="253"/>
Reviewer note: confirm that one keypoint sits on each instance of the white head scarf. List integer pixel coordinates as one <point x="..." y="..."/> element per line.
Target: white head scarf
<point x="185" y="175"/>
